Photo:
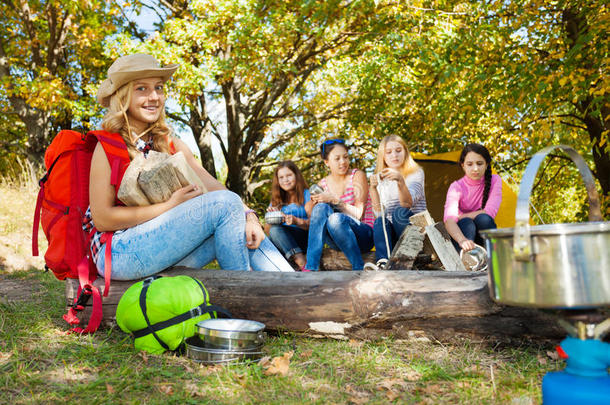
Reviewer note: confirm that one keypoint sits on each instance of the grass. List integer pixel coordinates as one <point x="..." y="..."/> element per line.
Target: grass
<point x="41" y="363"/>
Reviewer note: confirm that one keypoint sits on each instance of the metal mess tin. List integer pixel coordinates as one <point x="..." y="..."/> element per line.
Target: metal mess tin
<point x="230" y="334"/>
<point x="196" y="351"/>
<point x="274" y="217"/>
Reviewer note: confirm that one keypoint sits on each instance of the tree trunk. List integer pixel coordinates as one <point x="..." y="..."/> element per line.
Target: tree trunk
<point x="199" y="122"/>
<point x="237" y="171"/>
<point x="38" y="127"/>
<point x="601" y="156"/>
<point x="360" y="304"/>
<point x="575" y="28"/>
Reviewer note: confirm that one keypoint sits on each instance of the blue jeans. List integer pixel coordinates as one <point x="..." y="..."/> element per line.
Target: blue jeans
<point x="190" y="235"/>
<point x="400" y="220"/>
<point x="290" y="240"/>
<point x="471" y="227"/>
<point x="340" y="232"/>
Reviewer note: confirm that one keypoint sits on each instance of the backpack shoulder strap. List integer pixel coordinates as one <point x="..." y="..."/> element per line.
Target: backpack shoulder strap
<point x="116" y="152"/>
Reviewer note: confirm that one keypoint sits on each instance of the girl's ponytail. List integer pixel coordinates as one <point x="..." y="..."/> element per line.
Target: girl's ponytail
<point x="487" y="186"/>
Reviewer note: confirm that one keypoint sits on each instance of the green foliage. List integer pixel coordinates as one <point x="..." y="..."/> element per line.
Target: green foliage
<point x="270" y="79"/>
<point x="51" y="56"/>
<point x="516" y="76"/>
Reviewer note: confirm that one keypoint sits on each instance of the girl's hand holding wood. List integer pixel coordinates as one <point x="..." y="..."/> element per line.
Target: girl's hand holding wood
<point x="184" y="194"/>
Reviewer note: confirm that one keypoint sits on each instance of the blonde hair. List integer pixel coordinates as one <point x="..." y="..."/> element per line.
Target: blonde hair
<point x="408" y="166"/>
<point x="116" y="121"/>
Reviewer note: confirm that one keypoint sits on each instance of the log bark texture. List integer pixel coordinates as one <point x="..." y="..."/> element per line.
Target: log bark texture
<point x="360" y="304"/>
<point x="408" y="246"/>
<point x="332" y="260"/>
<point x="441" y="241"/>
<point x="154" y="178"/>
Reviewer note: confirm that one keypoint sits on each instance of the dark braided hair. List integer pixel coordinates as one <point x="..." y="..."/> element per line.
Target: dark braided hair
<point x="480" y="150"/>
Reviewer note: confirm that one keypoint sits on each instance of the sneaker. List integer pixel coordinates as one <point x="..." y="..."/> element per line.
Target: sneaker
<point x="370" y="266"/>
<point x="382" y="264"/>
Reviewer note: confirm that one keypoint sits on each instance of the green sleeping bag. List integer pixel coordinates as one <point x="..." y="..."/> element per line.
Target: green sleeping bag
<point x="161" y="312"/>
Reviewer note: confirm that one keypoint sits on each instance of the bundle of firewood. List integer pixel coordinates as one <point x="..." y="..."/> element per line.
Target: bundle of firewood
<point x="153" y="179"/>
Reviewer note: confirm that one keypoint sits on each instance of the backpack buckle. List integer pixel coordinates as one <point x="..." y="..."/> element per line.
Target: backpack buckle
<point x="83" y="298"/>
<point x="196" y="312"/>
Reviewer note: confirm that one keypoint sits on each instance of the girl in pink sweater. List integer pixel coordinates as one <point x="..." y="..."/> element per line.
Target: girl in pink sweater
<point x="472" y="201"/>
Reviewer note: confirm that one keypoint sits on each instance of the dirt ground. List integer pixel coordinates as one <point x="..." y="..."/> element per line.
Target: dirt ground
<point x="15" y="290"/>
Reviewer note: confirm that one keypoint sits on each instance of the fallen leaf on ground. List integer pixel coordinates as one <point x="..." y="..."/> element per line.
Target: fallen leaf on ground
<point x="388" y="386"/>
<point x="412" y="375"/>
<point x="357" y="397"/>
<point x="277" y="365"/>
<point x="306" y="354"/>
<point x="355" y="343"/>
<point x="207" y="370"/>
<point x="194" y="389"/>
<point x="541" y="360"/>
<point x="553" y="354"/>
<point x="242" y="379"/>
<point x="144" y="357"/>
<point x="433" y="389"/>
<point x="392" y="395"/>
<point x="109" y="389"/>
<point x="166" y="389"/>
<point x="391" y="382"/>
<point x="4" y="357"/>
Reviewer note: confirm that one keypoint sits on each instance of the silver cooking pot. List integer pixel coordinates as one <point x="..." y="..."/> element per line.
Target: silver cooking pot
<point x="555" y="265"/>
<point x="231" y="334"/>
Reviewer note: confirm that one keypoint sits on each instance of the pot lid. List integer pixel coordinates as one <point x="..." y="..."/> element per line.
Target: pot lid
<point x="553" y="229"/>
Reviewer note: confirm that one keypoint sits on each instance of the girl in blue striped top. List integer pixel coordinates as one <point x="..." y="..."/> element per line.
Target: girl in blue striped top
<point x="398" y="185"/>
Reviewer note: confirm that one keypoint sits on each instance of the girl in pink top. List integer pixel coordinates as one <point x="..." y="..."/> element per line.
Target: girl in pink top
<point x="472" y="201"/>
<point x="342" y="215"/>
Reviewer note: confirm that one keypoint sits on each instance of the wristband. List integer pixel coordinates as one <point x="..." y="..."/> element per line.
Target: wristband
<point x="250" y="211"/>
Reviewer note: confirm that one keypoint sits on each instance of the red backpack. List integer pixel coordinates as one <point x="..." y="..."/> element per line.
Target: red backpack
<point x="62" y="202"/>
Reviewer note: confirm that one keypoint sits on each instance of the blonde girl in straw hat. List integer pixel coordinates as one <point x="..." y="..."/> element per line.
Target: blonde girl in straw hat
<point x="189" y="229"/>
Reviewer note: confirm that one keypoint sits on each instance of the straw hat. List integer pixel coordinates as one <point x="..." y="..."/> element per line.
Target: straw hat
<point x="128" y="68"/>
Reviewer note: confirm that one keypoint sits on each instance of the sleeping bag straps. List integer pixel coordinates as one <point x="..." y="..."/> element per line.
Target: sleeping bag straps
<point x="191" y="313"/>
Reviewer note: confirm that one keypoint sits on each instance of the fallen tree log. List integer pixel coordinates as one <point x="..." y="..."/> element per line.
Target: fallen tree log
<point x="360" y="304"/>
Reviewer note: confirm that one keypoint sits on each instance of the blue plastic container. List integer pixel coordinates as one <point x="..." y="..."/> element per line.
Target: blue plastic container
<point x="560" y="387"/>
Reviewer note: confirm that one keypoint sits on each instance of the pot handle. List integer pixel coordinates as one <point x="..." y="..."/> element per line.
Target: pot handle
<point x="522" y="246"/>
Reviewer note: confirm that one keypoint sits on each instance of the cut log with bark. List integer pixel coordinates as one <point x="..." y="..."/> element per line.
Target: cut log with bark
<point x="153" y="179"/>
<point x="346" y="304"/>
<point x="441" y="241"/>
<point x="130" y="192"/>
<point x="424" y="219"/>
<point x="407" y="248"/>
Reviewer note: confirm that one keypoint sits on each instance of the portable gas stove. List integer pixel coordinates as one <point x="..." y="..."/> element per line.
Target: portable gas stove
<point x="564" y="268"/>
